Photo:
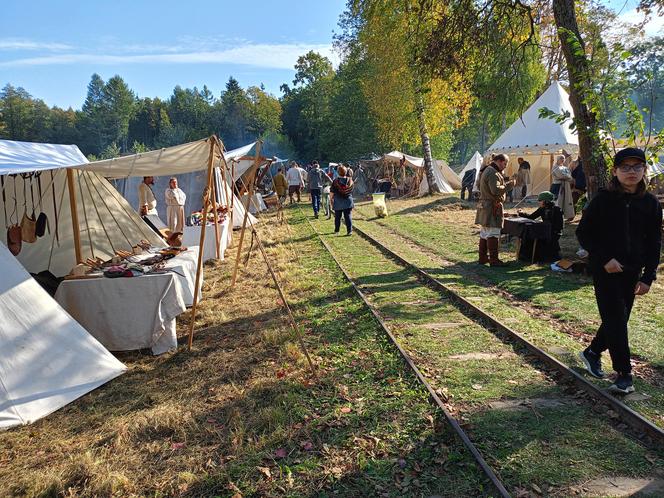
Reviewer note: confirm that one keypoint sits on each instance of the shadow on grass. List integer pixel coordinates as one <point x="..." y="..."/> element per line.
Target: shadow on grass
<point x="435" y="204"/>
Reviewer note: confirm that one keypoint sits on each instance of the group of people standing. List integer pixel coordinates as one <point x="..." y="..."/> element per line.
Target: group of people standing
<point x="621" y="229"/>
<point x="332" y="190"/>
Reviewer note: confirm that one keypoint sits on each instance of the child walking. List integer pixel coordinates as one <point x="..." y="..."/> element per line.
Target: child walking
<point x="621" y="230"/>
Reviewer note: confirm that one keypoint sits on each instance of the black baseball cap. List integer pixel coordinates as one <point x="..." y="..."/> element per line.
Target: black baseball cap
<point x="632" y="152"/>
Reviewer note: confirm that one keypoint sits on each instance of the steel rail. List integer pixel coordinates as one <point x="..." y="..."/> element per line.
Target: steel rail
<point x="635" y="420"/>
<point x="484" y="466"/>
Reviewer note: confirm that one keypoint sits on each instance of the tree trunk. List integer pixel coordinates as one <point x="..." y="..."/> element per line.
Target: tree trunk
<point x="580" y="94"/>
<point x="426" y="147"/>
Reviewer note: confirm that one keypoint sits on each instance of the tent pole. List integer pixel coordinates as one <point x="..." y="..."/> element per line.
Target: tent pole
<point x="199" y="264"/>
<point x="229" y="203"/>
<point x="246" y="214"/>
<point x="214" y="198"/>
<point x="74" y="215"/>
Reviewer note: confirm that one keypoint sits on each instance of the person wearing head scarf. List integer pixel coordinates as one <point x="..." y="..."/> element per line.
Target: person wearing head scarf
<point x="175" y="200"/>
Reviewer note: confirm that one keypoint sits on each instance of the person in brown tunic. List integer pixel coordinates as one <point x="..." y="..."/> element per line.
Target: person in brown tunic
<point x="493" y="187"/>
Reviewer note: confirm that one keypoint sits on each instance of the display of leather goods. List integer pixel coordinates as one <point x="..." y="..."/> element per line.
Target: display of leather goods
<point x="28" y="223"/>
<point x="42" y="219"/>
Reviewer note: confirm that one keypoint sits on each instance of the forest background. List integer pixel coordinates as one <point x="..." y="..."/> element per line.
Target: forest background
<point x="396" y="75"/>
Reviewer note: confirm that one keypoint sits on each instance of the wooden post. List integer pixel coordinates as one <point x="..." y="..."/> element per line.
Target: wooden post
<point x="229" y="202"/>
<point x="214" y="200"/>
<point x="74" y="215"/>
<point x="246" y="215"/>
<point x="199" y="265"/>
<point x="232" y="186"/>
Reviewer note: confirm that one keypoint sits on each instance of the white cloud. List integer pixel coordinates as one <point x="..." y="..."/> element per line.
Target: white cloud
<point x="22" y="44"/>
<point x="275" y="56"/>
<point x="654" y="27"/>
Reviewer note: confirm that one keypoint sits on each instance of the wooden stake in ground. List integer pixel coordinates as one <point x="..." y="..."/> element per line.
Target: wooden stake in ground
<point x="216" y="213"/>
<point x="199" y="265"/>
<point x="246" y="214"/>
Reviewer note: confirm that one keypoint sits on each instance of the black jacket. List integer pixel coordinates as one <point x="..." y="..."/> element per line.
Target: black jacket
<point x="551" y="213"/>
<point x="626" y="227"/>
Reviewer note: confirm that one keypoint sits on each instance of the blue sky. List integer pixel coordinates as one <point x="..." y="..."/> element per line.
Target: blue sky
<point x="51" y="48"/>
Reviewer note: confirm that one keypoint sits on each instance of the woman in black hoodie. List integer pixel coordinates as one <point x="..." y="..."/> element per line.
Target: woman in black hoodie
<point x="622" y="231"/>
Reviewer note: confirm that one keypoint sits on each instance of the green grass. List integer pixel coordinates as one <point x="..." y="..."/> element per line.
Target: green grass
<point x="526" y="446"/>
<point x="540" y="308"/>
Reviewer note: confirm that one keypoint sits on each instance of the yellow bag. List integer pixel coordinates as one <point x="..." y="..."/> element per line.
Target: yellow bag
<point x="380" y="207"/>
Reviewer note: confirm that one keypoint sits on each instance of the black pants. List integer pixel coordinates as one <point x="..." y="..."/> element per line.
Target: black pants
<point x="348" y="220"/>
<point x="615" y="296"/>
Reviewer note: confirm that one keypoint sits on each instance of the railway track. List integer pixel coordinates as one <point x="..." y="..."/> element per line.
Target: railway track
<point x="642" y="428"/>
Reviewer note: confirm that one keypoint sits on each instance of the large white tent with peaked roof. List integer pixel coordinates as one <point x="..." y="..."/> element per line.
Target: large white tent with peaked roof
<point x="106" y="222"/>
<point x="537" y="139"/>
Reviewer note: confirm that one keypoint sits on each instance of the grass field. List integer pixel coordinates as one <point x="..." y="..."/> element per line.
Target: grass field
<point x="241" y="414"/>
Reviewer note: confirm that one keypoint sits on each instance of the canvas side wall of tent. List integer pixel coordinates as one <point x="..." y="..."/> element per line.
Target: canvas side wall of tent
<point x="107" y="223"/>
<point x="537" y="139"/>
<point x="47" y="359"/>
<point x="445" y="178"/>
<point x="187" y="162"/>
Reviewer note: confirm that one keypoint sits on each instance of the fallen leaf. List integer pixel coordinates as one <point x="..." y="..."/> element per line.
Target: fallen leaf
<point x="265" y="470"/>
<point x="177" y="446"/>
<point x="536" y="488"/>
<point x="307" y="445"/>
<point x="346" y="409"/>
<point x="281" y="453"/>
<point x="477" y="387"/>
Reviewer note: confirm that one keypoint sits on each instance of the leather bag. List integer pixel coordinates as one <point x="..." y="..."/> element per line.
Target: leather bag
<point x="28" y="223"/>
<point x="42" y="219"/>
<point x="13" y="231"/>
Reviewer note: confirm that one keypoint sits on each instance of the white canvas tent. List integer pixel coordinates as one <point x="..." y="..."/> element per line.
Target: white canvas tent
<point x="474" y="163"/>
<point x="47" y="360"/>
<point x="537" y="139"/>
<point x="445" y="178"/>
<point x="106" y="221"/>
<point x="187" y="162"/>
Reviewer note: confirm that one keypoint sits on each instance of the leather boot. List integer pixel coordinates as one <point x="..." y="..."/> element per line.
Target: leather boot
<point x="492" y="242"/>
<point x="484" y="255"/>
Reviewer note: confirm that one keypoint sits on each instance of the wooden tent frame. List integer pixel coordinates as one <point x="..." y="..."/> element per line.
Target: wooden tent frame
<point x="209" y="201"/>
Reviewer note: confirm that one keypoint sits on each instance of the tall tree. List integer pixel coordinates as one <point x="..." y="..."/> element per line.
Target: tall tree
<point x="582" y="95"/>
<point x="118" y="104"/>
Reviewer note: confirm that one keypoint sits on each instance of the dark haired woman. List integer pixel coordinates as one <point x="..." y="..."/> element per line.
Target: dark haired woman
<point x="622" y="231"/>
<point x="342" y="200"/>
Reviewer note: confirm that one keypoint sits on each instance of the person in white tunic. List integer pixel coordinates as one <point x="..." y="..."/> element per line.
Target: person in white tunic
<point x="147" y="203"/>
<point x="175" y="199"/>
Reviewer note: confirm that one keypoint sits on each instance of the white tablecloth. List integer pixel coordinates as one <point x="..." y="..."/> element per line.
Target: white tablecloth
<point x="127" y="313"/>
<point x="192" y="237"/>
<point x="184" y="268"/>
